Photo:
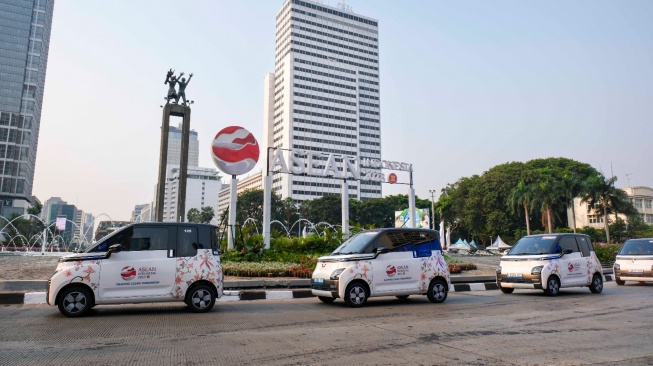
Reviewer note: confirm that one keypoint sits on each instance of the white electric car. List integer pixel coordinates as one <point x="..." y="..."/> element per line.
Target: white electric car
<point x="550" y="262"/>
<point x="384" y="262"/>
<point x="148" y="262"/>
<point x="634" y="261"/>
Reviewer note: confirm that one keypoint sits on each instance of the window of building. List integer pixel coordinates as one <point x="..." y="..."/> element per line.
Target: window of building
<point x="639" y="203"/>
<point x="648" y="204"/>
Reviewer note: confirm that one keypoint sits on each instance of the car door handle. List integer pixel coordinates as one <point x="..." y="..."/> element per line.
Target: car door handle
<point x="171" y="253"/>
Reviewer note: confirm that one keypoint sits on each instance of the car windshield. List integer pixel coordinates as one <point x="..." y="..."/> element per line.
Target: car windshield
<point x="637" y="247"/>
<point x="356" y="244"/>
<point x="532" y="245"/>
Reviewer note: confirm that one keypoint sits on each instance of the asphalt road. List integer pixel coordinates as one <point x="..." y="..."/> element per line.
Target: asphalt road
<point x="470" y="328"/>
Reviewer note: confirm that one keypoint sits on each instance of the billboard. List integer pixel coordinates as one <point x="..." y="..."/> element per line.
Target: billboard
<point x="422" y="218"/>
<point x="61" y="223"/>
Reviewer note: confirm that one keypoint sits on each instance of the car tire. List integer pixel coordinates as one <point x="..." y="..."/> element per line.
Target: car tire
<point x="620" y="282"/>
<point x="75" y="301"/>
<point x="201" y="299"/>
<point x="327" y="299"/>
<point x="552" y="286"/>
<point x="402" y="297"/>
<point x="356" y="294"/>
<point x="438" y="290"/>
<point x="597" y="284"/>
<point x="507" y="290"/>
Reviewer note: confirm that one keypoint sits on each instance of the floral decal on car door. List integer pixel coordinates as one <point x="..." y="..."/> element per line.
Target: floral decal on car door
<point x="203" y="266"/>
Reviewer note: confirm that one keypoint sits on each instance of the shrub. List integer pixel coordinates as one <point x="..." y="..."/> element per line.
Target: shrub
<point x="606" y="253"/>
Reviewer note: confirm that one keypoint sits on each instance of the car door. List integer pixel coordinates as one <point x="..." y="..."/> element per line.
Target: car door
<point x="571" y="264"/>
<point x="583" y="243"/>
<point x="143" y="269"/>
<point x="397" y="270"/>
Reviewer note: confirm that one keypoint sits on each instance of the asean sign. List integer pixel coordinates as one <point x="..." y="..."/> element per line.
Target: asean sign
<point x="234" y="150"/>
<point x="392" y="178"/>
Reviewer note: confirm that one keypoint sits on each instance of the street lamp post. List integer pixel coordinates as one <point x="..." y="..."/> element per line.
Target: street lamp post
<point x="432" y="192"/>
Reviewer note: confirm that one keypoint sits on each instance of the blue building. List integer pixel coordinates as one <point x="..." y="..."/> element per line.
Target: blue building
<point x="25" y="27"/>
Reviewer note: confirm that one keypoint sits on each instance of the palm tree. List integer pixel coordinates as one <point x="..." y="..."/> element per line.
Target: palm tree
<point x="546" y="194"/>
<point x="602" y="196"/>
<point x="571" y="186"/>
<point x="521" y="195"/>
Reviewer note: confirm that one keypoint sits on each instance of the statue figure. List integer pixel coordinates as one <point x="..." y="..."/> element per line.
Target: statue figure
<point x="182" y="88"/>
<point x="171" y="80"/>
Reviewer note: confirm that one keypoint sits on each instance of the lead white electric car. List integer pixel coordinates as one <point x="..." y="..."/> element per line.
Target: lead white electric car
<point x="148" y="262"/>
<point x="384" y="262"/>
<point x="634" y="261"/>
<point x="550" y="262"/>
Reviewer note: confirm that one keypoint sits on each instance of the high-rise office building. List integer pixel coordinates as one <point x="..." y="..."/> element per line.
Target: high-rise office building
<point x="324" y="94"/>
<point x="174" y="148"/>
<point x="24" y="41"/>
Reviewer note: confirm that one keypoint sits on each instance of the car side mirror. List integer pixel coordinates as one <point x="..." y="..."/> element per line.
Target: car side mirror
<point x="116" y="248"/>
<point x="616" y="252"/>
<point x="380" y="250"/>
<point x="567" y="251"/>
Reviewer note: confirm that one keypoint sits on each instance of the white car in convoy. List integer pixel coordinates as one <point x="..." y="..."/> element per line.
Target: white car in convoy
<point x="148" y="262"/>
<point x="550" y="262"/>
<point x="634" y="261"/>
<point x="383" y="262"/>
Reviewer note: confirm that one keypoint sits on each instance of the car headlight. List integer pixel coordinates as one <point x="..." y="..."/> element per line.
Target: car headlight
<point x="617" y="267"/>
<point x="499" y="270"/>
<point x="336" y="274"/>
<point x="536" y="270"/>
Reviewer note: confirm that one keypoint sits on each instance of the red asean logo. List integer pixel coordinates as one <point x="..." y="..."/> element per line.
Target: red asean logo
<point x="234" y="150"/>
<point x="571" y="267"/>
<point x="390" y="270"/>
<point x="128" y="273"/>
<point x="392" y="178"/>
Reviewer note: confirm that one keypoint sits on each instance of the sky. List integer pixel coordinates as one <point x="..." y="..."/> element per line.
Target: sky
<point x="465" y="85"/>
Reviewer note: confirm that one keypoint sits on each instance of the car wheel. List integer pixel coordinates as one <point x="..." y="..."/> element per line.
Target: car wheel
<point x="402" y="297"/>
<point x="356" y="294"/>
<point x="438" y="290"/>
<point x="75" y="301"/>
<point x="507" y="290"/>
<point x="326" y="299"/>
<point x="201" y="299"/>
<point x="620" y="282"/>
<point x="552" y="286"/>
<point x="597" y="284"/>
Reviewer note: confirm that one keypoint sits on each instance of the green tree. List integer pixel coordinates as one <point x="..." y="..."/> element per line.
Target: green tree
<point x="603" y="198"/>
<point x="521" y="195"/>
<point x="571" y="186"/>
<point x="250" y="205"/>
<point x="546" y="194"/>
<point x="193" y="215"/>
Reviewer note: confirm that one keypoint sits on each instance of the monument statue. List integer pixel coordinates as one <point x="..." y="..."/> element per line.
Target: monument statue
<point x="172" y="81"/>
<point x="182" y="87"/>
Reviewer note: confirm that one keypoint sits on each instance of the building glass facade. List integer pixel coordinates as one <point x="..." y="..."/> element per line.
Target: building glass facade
<point x="25" y="27"/>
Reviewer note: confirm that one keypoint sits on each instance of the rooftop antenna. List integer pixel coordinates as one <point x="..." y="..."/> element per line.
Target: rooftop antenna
<point x="628" y="178"/>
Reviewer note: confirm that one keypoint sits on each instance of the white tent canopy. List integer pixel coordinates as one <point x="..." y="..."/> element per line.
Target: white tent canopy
<point x="460" y="244"/>
<point x="498" y="245"/>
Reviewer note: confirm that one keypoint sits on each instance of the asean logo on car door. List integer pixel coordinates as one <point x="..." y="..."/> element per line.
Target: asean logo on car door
<point x="390" y="270"/>
<point x="128" y="273"/>
<point x="571" y="267"/>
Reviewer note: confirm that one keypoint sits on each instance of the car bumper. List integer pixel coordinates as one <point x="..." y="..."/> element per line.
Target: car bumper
<point x="527" y="281"/>
<point x="329" y="288"/>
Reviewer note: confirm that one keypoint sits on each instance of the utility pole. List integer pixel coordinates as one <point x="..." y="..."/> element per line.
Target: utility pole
<point x="432" y="192"/>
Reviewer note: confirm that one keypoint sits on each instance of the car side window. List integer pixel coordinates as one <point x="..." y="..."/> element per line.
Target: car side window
<point x="584" y="245"/>
<point x="569" y="242"/>
<point x="149" y="238"/>
<point x="187" y="244"/>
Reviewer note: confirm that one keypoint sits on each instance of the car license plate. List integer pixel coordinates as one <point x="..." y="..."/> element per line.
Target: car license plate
<point x="637" y="271"/>
<point x="514" y="275"/>
<point x="318" y="281"/>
